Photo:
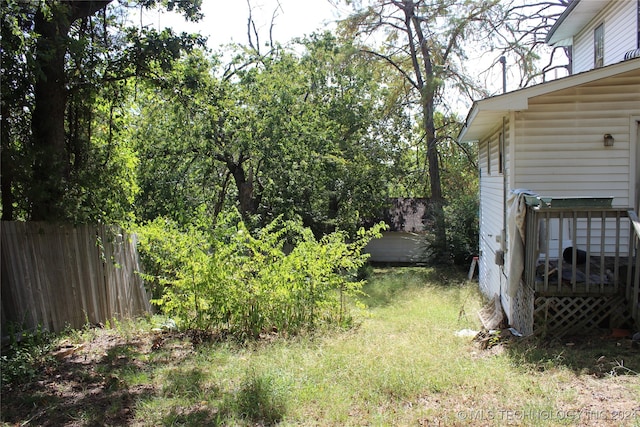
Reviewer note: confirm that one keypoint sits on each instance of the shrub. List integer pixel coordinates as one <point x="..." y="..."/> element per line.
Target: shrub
<point x="461" y="217"/>
<point x="22" y="360"/>
<point x="462" y="230"/>
<point x="282" y="278"/>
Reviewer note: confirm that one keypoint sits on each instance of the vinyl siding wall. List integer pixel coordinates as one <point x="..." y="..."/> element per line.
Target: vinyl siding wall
<point x="620" y="35"/>
<point x="560" y="151"/>
<point x="397" y="247"/>
<point x="491" y="212"/>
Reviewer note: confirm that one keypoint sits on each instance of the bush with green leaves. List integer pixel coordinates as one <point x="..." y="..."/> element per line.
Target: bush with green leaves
<point x="25" y="355"/>
<point x="462" y="228"/>
<point x="278" y="278"/>
<point x="461" y="216"/>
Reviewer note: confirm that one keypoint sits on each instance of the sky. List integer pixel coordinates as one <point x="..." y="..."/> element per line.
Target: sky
<point x="225" y="21"/>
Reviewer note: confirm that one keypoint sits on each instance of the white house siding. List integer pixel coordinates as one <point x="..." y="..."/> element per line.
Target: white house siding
<point x="620" y="35"/>
<point x="491" y="215"/>
<point x="635" y="121"/>
<point x="560" y="150"/>
<point x="397" y="247"/>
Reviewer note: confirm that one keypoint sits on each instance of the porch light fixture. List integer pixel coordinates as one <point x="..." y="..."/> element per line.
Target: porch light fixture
<point x="608" y="140"/>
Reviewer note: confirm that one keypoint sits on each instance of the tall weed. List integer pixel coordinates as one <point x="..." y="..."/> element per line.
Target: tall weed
<point x="281" y="278"/>
<point x="25" y="354"/>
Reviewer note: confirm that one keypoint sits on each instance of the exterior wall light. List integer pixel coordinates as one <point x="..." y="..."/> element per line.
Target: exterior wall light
<point x="608" y="140"/>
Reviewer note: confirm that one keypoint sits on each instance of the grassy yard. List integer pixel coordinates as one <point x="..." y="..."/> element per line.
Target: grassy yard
<point x="401" y="365"/>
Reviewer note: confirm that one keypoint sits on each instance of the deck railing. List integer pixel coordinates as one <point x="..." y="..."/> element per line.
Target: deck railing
<point x="583" y="251"/>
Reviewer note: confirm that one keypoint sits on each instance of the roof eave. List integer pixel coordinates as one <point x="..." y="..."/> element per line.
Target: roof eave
<point x="560" y="21"/>
<point x="485" y="114"/>
<point x="574" y="18"/>
<point x="470" y="116"/>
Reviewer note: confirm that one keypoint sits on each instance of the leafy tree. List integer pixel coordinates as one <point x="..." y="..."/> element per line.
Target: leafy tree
<point x="15" y="75"/>
<point x="286" y="133"/>
<point x="343" y="139"/>
<point x="173" y="128"/>
<point x="73" y="59"/>
<point x="428" y="43"/>
<point x="421" y="39"/>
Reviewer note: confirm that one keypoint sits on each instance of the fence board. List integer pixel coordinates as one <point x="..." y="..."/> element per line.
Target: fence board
<point x="56" y="276"/>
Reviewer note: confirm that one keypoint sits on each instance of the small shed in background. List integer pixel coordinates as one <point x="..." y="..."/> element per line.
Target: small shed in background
<point x="404" y="241"/>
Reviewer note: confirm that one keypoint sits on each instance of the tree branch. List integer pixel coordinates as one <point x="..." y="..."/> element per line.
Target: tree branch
<point x="393" y="64"/>
<point x="84" y="9"/>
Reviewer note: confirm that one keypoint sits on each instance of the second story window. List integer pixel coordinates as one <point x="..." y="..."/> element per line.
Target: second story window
<point x="598" y="46"/>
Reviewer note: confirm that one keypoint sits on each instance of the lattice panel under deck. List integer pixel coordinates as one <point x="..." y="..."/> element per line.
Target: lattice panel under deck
<point x="522" y="310"/>
<point x="558" y="316"/>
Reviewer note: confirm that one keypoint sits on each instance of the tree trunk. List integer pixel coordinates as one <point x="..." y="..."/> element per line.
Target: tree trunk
<point x="47" y="124"/>
<point x="246" y="198"/>
<point x="426" y="82"/>
<point x="50" y="164"/>
<point x="440" y="245"/>
<point x="6" y="168"/>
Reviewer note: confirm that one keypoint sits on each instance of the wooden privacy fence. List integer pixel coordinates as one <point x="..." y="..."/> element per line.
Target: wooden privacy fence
<point x="56" y="276"/>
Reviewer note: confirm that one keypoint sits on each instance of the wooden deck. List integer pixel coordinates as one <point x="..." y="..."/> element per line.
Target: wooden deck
<point x="581" y="267"/>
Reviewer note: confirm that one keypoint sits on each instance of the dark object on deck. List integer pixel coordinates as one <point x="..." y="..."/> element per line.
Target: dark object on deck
<point x="581" y="256"/>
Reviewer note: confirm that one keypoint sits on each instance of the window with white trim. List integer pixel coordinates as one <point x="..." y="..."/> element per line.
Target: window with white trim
<point x="598" y="46"/>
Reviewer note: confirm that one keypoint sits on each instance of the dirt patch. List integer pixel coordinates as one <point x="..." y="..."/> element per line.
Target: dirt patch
<point x="85" y="384"/>
<point x="603" y="391"/>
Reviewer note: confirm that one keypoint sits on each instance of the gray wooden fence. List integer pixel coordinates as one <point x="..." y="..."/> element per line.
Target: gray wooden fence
<point x="56" y="276"/>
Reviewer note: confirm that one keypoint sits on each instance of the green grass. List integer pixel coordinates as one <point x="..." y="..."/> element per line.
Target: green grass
<point x="401" y="365"/>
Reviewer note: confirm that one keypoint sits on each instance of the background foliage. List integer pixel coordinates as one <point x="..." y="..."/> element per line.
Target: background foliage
<point x="253" y="168"/>
<point x="305" y="134"/>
